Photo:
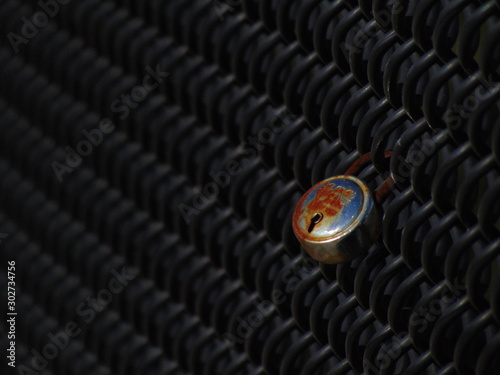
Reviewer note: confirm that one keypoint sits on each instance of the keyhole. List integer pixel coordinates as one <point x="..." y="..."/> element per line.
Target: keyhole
<point x="315" y="220"/>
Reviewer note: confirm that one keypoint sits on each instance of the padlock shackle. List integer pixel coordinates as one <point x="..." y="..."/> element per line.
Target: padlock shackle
<point x="362" y="162"/>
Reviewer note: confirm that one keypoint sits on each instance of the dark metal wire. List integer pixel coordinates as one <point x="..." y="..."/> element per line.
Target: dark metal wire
<point x="345" y="78"/>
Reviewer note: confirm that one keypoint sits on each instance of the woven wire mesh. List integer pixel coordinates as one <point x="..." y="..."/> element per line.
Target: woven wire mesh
<point x="193" y="189"/>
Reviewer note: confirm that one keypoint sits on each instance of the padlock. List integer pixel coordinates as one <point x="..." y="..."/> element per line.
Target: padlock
<point x="339" y="218"/>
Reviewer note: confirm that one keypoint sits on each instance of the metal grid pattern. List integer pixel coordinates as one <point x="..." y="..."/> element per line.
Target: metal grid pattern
<point x="194" y="186"/>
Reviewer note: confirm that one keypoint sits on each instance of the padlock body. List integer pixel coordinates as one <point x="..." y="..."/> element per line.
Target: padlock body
<point x="337" y="219"/>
